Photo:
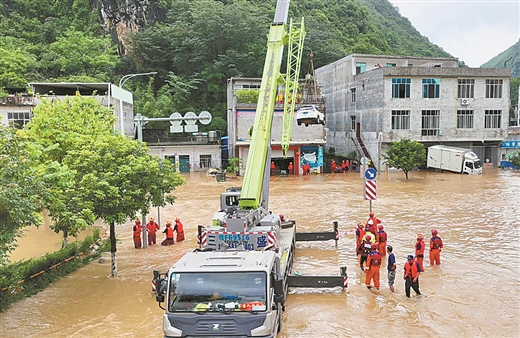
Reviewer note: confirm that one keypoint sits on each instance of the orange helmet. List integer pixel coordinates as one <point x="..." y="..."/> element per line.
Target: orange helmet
<point x="368" y="237"/>
<point x="420" y="237"/>
<point x="434" y="232"/>
<point x="371" y="214"/>
<point x="151" y="218"/>
<point x="374" y="246"/>
<point x="380" y="227"/>
<point x="168" y="223"/>
<point x="138" y="220"/>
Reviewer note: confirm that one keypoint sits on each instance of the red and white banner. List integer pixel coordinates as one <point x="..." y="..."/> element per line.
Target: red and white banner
<point x="370" y="190"/>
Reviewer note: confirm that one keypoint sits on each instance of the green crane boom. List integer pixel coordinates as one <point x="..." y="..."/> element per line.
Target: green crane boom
<point x="255" y="186"/>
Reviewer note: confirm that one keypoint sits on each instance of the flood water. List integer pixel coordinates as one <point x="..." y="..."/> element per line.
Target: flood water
<point x="474" y="293"/>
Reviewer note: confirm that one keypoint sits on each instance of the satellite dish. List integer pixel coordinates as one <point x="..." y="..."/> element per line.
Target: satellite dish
<point x="204" y="117"/>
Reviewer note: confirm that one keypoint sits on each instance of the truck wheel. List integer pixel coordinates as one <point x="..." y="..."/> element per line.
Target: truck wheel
<point x="306" y="124"/>
<point x="299" y="123"/>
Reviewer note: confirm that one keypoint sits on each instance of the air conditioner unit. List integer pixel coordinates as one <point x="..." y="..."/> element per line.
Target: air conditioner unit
<point x="464" y="102"/>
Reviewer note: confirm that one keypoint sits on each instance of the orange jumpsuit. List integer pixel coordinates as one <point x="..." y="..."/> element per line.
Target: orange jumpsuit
<point x="383" y="236"/>
<point x="137" y="234"/>
<point x="290" y="169"/>
<point x="373" y="264"/>
<point x="179" y="228"/>
<point x="333" y="166"/>
<point x="152" y="228"/>
<point x="273" y="168"/>
<point x="169" y="235"/>
<point x="435" y="250"/>
<point x="419" y="252"/>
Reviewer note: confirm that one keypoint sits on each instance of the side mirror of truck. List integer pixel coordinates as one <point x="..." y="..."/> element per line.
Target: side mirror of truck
<point x="279" y="295"/>
<point x="159" y="298"/>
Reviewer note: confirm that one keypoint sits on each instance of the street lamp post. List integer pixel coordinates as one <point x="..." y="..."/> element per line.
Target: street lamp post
<point x="121" y="83"/>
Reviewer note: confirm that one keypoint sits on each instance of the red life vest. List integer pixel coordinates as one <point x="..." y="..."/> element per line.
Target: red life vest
<point x="179" y="227"/>
<point x="436" y="243"/>
<point x="382" y="236"/>
<point x="137" y="230"/>
<point x="411" y="270"/>
<point x="375" y="258"/>
<point x="152" y="227"/>
<point x="419" y="248"/>
<point x="169" y="232"/>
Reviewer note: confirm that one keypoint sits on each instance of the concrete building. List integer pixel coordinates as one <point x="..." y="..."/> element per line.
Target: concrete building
<point x="307" y="143"/>
<point x="374" y="100"/>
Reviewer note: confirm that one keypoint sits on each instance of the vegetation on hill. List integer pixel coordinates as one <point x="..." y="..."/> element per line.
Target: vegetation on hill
<point x="510" y="58"/>
<point x="195" y="46"/>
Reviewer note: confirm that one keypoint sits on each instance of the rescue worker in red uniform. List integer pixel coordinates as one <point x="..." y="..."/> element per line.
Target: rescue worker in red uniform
<point x="273" y="168"/>
<point x="419" y="250"/>
<point x="151" y="228"/>
<point x="179" y="229"/>
<point x="372" y="228"/>
<point x="372" y="269"/>
<point x="333" y="166"/>
<point x="138" y="228"/>
<point x="169" y="234"/>
<point x="383" y="238"/>
<point x="360" y="233"/>
<point x="435" y="248"/>
<point x="343" y="166"/>
<point x="412" y="270"/>
<point x="364" y="249"/>
<point x="290" y="169"/>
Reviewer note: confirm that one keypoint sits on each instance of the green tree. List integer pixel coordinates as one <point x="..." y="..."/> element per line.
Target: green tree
<point x="22" y="190"/>
<point x="15" y="62"/>
<point x="515" y="158"/>
<point x="406" y="155"/>
<point x="111" y="177"/>
<point x="77" y="53"/>
<point x="60" y="128"/>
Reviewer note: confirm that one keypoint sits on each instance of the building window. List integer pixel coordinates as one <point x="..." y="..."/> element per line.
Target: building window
<point x="465" y="119"/>
<point x="390" y="64"/>
<point x="493" y="89"/>
<point x="466" y="89"/>
<point x="19" y="120"/>
<point x="248" y="86"/>
<point x="361" y="67"/>
<point x="353" y="122"/>
<point x="205" y="161"/>
<point x="492" y="119"/>
<point x="353" y="94"/>
<point x="430" y="122"/>
<point x="401" y="88"/>
<point x="400" y="119"/>
<point x="431" y="88"/>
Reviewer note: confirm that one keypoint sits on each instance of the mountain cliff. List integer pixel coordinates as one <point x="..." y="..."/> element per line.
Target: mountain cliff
<point x="510" y="58"/>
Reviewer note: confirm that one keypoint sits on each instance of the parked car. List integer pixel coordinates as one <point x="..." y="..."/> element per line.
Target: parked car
<point x="309" y="115"/>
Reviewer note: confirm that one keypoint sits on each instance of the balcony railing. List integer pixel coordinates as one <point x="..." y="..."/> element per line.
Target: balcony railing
<point x="14" y="100"/>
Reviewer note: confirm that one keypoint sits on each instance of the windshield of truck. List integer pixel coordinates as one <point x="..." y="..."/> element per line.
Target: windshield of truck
<point x="217" y="291"/>
<point x="478" y="164"/>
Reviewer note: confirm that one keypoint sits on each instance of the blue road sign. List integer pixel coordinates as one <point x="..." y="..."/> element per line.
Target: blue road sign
<point x="370" y="174"/>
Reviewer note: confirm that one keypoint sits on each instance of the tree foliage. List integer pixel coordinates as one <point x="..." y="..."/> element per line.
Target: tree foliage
<point x="515" y="159"/>
<point x="406" y="155"/>
<point x="109" y="176"/>
<point x="23" y="188"/>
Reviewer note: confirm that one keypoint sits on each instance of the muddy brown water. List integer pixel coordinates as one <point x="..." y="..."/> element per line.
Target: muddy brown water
<point x="474" y="293"/>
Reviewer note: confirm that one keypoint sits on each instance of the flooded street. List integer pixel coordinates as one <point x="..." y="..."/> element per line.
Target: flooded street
<point x="474" y="293"/>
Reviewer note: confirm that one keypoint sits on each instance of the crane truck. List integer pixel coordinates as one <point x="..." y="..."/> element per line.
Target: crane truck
<point x="235" y="283"/>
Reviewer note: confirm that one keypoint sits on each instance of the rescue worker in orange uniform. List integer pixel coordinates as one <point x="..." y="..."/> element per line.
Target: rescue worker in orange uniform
<point x="333" y="166"/>
<point x="360" y="233"/>
<point x="179" y="229"/>
<point x="273" y="168"/>
<point x="290" y="169"/>
<point x="169" y="234"/>
<point x="412" y="270"/>
<point x="343" y="166"/>
<point x="435" y="248"/>
<point x="372" y="228"/>
<point x="383" y="238"/>
<point x="151" y="228"/>
<point x="419" y="250"/>
<point x="372" y="268"/>
<point x="364" y="249"/>
<point x="138" y="228"/>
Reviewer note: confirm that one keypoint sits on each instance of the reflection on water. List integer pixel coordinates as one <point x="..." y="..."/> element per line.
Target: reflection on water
<point x="472" y="294"/>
